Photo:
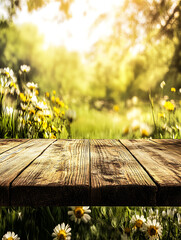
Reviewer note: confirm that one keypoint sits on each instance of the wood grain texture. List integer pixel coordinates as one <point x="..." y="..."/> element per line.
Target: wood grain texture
<point x="167" y="141"/>
<point x="117" y="178"/>
<point x="12" y="162"/>
<point x="7" y="144"/>
<point x="163" y="165"/>
<point x="170" y="145"/>
<point x="60" y="176"/>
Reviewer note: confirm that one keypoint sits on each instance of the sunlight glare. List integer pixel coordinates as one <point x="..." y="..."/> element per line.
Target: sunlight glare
<point x="73" y="33"/>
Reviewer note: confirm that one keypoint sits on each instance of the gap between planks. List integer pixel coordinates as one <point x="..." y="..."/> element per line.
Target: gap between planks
<point x="141" y="165"/>
<point x="17" y="143"/>
<point x="163" y="164"/>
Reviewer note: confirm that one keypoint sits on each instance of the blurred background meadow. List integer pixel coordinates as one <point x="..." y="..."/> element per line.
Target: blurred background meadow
<point x="90" y="69"/>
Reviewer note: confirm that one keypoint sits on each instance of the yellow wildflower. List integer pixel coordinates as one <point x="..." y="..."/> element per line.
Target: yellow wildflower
<point x="161" y="115"/>
<point x="12" y="84"/>
<point x="54" y="92"/>
<point x="44" y="125"/>
<point x="61" y="104"/>
<point x="52" y="136"/>
<point x="125" y="130"/>
<point x="53" y="99"/>
<point x="116" y="108"/>
<point x="47" y="94"/>
<point x="22" y="97"/>
<point x="169" y="106"/>
<point x="144" y="133"/>
<point x="37" y="92"/>
<point x="57" y="100"/>
<point x="32" y="111"/>
<point x="56" y="110"/>
<point x="173" y="89"/>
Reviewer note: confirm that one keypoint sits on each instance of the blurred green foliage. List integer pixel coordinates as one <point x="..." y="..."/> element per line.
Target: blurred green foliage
<point x="115" y="68"/>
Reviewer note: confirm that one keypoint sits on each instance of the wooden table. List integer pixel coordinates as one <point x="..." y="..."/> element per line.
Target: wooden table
<point x="41" y="172"/>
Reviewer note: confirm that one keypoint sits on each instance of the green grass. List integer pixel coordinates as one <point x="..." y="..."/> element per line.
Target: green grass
<point x="106" y="222"/>
<point x="91" y="123"/>
<point x="106" y="124"/>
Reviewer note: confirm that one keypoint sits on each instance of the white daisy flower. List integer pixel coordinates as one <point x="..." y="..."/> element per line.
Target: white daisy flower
<point x="162" y="84"/>
<point x="41" y="106"/>
<point x="34" y="99"/>
<point x="137" y="222"/>
<point x="80" y="213"/>
<point x="10" y="236"/>
<point x="62" y="232"/>
<point x="145" y="130"/>
<point x="9" y="110"/>
<point x="153" y="229"/>
<point x="32" y="85"/>
<point x="171" y="212"/>
<point x="164" y="213"/>
<point x="25" y="68"/>
<point x="9" y="72"/>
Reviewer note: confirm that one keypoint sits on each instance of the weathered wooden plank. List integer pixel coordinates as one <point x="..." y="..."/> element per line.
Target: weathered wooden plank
<point x="171" y="145"/>
<point x="117" y="178"/>
<point x="12" y="162"/>
<point x="163" y="166"/>
<point x="167" y="141"/>
<point x="7" y="144"/>
<point x="60" y="176"/>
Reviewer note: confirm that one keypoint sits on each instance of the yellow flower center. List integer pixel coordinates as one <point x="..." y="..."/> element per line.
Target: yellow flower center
<point x="31" y="88"/>
<point x="7" y="73"/>
<point x="144" y="133"/>
<point x="32" y="112"/>
<point x="138" y="223"/>
<point x="10" y="238"/>
<point x="79" y="212"/>
<point x="61" y="235"/>
<point x="152" y="231"/>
